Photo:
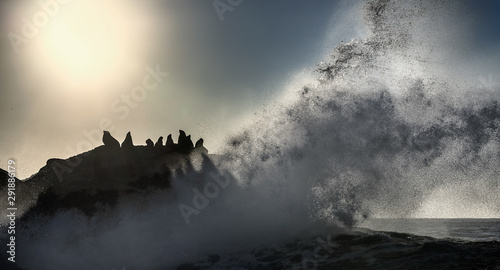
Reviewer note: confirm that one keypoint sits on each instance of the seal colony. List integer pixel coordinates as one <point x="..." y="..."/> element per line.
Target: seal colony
<point x="95" y="179"/>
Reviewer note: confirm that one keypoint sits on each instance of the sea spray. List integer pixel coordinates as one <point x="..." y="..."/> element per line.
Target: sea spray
<point x="378" y="132"/>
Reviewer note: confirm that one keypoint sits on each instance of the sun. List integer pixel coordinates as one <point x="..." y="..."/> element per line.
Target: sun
<point x="90" y="45"/>
<point x="76" y="49"/>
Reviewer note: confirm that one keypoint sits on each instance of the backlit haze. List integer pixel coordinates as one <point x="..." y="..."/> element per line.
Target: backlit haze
<point x="71" y="73"/>
<point x="75" y="69"/>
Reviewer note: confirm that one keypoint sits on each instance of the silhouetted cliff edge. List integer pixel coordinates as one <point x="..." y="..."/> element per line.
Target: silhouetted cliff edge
<point x="98" y="177"/>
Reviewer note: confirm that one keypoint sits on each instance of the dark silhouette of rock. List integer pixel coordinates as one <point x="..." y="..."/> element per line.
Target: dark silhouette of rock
<point x="159" y="143"/>
<point x="4" y="176"/>
<point x="109" y="141"/>
<point x="184" y="143"/>
<point x="97" y="179"/>
<point x="127" y="143"/>
<point x="170" y="141"/>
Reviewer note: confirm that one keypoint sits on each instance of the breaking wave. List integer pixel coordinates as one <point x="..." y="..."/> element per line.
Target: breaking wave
<point x="375" y="135"/>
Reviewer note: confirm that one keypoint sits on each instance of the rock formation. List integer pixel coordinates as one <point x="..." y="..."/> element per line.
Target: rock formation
<point x="109" y="141"/>
<point x="98" y="178"/>
<point x="4" y="176"/>
<point x="127" y="143"/>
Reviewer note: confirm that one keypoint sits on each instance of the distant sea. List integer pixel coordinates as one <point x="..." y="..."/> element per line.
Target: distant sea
<point x="380" y="244"/>
<point x="456" y="228"/>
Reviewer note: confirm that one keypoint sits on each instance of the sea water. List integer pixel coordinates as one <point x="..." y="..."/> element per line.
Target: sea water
<point x="455" y="228"/>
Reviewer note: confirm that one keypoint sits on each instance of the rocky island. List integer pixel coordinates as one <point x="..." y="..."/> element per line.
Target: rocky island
<point x="97" y="178"/>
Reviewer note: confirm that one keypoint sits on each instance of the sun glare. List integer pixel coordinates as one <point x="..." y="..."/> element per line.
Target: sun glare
<point x="89" y="45"/>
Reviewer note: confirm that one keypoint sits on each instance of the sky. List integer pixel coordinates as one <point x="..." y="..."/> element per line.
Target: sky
<point x="71" y="68"/>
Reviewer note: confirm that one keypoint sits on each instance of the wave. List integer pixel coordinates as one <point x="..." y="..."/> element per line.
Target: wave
<point x="379" y="131"/>
<point x="362" y="249"/>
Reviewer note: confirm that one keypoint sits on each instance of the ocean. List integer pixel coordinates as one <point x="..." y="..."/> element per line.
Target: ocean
<point x="469" y="229"/>
<point x="380" y="244"/>
<point x="383" y="129"/>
